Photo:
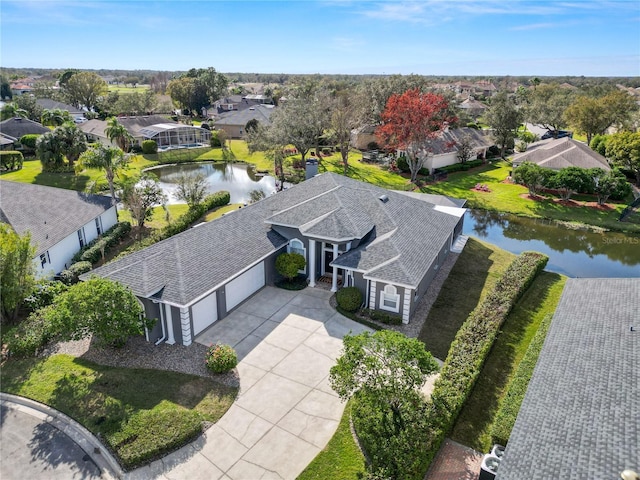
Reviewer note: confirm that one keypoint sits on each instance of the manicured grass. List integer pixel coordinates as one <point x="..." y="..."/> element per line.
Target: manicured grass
<point x="365" y="172"/>
<point x="127" y="89"/>
<point x="31" y="172"/>
<point x="506" y="197"/>
<point x="218" y="212"/>
<point x="473" y="427"/>
<point x="476" y="271"/>
<point x="158" y="218"/>
<point x="141" y="414"/>
<point x="340" y="459"/>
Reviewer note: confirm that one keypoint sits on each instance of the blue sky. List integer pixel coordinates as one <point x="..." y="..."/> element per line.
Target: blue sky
<point x="429" y="37"/>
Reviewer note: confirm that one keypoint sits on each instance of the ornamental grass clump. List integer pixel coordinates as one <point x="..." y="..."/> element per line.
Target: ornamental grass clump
<point x="221" y="358"/>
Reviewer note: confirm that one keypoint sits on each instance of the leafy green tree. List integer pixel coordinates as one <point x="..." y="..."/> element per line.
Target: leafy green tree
<point x="99" y="307"/>
<point x="28" y="104"/>
<point x="11" y="110"/>
<point x="385" y="366"/>
<point x="465" y="149"/>
<point x="17" y="271"/>
<point x="5" y="88"/>
<point x="268" y="140"/>
<point x="109" y="159"/>
<point x="140" y="195"/>
<point x="599" y="144"/>
<point x="55" y="117"/>
<point x="623" y="149"/>
<point x="191" y="188"/>
<point x="531" y="175"/>
<point x="85" y="89"/>
<point x="505" y="118"/>
<point x="570" y="180"/>
<point x="65" y="140"/>
<point x="547" y="105"/>
<point x="288" y="264"/>
<point x="116" y="132"/>
<point x="609" y="184"/>
<point x="198" y="88"/>
<point x="343" y="121"/>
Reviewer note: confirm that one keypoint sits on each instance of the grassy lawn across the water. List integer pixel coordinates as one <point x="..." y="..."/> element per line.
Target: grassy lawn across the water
<point x="508" y="197"/>
<point x="141" y="414"/>
<point x="473" y="427"/>
<point x="476" y="271"/>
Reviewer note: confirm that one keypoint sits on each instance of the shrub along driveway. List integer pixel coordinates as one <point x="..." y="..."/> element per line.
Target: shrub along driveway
<point x="285" y="412"/>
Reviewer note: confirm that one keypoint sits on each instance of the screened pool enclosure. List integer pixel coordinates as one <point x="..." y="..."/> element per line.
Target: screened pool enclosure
<point x="175" y="135"/>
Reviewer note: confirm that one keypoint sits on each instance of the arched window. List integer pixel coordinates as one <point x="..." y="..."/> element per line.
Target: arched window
<point x="296" y="246"/>
<point x="390" y="299"/>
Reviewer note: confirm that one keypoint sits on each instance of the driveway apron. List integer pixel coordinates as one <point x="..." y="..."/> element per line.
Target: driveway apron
<point x="286" y="411"/>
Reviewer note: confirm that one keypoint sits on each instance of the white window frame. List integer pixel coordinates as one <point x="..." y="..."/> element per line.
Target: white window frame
<point x="81" y="238"/>
<point x="390" y="294"/>
<point x="301" y="250"/>
<point x="99" y="226"/>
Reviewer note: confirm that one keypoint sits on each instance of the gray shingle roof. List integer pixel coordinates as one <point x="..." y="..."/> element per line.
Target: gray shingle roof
<point x="50" y="214"/>
<point x="580" y="418"/>
<point x="17" y="127"/>
<point x="261" y="113"/>
<point x="50" y="104"/>
<point x="557" y="153"/>
<point x="194" y="262"/>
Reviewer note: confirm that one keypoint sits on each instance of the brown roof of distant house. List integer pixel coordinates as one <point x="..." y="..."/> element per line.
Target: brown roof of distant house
<point x="558" y="153"/>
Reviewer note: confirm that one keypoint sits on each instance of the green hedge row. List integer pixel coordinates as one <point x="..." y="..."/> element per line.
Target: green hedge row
<point x="185" y="221"/>
<point x="92" y="252"/>
<point x="459" y="167"/>
<point x="476" y="336"/>
<point x="510" y="404"/>
<point x="11" y="159"/>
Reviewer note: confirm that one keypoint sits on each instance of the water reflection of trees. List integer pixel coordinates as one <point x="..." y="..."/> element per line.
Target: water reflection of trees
<point x="615" y="246"/>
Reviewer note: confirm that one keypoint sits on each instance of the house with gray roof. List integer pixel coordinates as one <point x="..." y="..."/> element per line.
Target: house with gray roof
<point x="234" y="122"/>
<point x="16" y="127"/>
<point x="165" y="132"/>
<point x="387" y="244"/>
<point x="60" y="221"/>
<point x="558" y="153"/>
<point x="580" y="418"/>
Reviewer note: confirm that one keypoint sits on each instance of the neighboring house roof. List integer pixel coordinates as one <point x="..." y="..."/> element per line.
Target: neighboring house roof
<point x="49" y="104"/>
<point x="50" y="214"/>
<point x="580" y="417"/>
<point x="261" y="113"/>
<point x="438" y="200"/>
<point x="187" y="266"/>
<point x="7" y="139"/>
<point x="134" y="125"/>
<point x="446" y="142"/>
<point x="17" y="127"/>
<point x="94" y="127"/>
<point x="557" y="153"/>
<point x="472" y="104"/>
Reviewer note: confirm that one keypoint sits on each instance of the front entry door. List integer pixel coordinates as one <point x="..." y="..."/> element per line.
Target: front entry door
<point x="328" y="258"/>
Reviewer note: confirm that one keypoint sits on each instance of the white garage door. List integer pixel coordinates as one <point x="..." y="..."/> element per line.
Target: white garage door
<point x="243" y="286"/>
<point x="204" y="313"/>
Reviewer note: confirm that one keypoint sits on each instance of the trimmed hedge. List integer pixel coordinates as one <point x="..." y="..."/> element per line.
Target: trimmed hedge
<point x="349" y="298"/>
<point x="71" y="275"/>
<point x="92" y="252"/>
<point x="194" y="213"/>
<point x="459" y="167"/>
<point x="149" y="147"/>
<point x="510" y="404"/>
<point x="472" y="345"/>
<point x="11" y="159"/>
<point x="29" y="140"/>
<point x="383" y="317"/>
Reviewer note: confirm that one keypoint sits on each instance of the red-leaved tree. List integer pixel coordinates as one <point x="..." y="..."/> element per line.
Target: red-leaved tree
<point x="410" y="122"/>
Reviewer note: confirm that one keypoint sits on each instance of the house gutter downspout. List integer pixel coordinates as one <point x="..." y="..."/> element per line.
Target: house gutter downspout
<point x="164" y="330"/>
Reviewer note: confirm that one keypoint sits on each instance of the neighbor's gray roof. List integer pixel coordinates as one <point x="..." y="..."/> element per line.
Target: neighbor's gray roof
<point x="580" y="418"/>
<point x="447" y="141"/>
<point x="50" y="214"/>
<point x="441" y="200"/>
<point x="50" y="104"/>
<point x="188" y="265"/>
<point x="17" y="127"/>
<point x="557" y="153"/>
<point x="261" y="113"/>
<point x="134" y="125"/>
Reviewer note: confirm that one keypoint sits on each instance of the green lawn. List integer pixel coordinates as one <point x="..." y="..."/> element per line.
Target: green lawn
<point x="506" y="197"/>
<point x="141" y="414"/>
<point x="128" y="89"/>
<point x="340" y="459"/>
<point x="475" y="273"/>
<point x="158" y="218"/>
<point x="473" y="427"/>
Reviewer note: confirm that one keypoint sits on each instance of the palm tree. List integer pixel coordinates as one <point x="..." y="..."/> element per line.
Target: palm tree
<point x="116" y="132"/>
<point x="11" y="110"/>
<point x="55" y="117"/>
<point x="109" y="159"/>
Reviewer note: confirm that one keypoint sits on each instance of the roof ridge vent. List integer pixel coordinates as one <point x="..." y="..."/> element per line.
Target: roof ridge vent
<point x="384" y="198"/>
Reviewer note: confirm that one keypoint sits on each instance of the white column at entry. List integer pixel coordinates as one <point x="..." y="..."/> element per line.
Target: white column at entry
<point x="334" y="278"/>
<point x="170" y="336"/>
<point x="312" y="263"/>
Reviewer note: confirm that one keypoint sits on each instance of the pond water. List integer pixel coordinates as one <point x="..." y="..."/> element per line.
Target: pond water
<point x="575" y="253"/>
<point x="236" y="178"/>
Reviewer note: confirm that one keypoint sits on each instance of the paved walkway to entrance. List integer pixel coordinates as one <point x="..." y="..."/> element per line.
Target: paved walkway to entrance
<point x="285" y="412"/>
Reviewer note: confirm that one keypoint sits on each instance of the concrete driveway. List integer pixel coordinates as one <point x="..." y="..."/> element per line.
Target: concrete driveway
<point x="285" y="412"/>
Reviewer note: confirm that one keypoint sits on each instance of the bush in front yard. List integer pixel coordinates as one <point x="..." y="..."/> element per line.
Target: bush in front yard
<point x="149" y="147"/>
<point x="349" y="299"/>
<point x="221" y="358"/>
<point x="30" y="336"/>
<point x="288" y="264"/>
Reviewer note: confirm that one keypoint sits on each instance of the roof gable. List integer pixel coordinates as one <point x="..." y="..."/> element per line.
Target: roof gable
<point x="557" y="153"/>
<point x="17" y="127"/>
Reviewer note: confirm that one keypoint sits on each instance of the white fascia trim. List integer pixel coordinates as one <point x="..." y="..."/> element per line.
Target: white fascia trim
<point x="455" y="211"/>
